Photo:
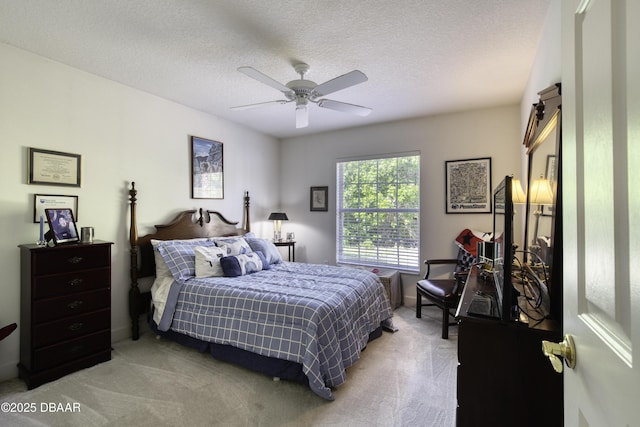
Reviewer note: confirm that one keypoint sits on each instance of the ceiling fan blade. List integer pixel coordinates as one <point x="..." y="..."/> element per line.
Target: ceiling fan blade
<point x="344" y="81"/>
<point x="260" y="104"/>
<point x="344" y="107"/>
<point x="263" y="78"/>
<point x="302" y="116"/>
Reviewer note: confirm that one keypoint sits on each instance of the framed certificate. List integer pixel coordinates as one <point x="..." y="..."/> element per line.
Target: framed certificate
<point x="53" y="168"/>
<point x="53" y="201"/>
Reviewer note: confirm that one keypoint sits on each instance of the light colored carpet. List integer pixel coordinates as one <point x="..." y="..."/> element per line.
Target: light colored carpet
<point x="402" y="379"/>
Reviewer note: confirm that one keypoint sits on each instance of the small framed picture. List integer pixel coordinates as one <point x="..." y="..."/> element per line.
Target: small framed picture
<point x="319" y="199"/>
<point x="53" y="201"/>
<point x="62" y="225"/>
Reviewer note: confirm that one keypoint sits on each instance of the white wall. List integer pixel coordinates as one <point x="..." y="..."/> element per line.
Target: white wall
<point x="546" y="69"/>
<point x="497" y="133"/>
<point x="123" y="135"/>
<point x="311" y="161"/>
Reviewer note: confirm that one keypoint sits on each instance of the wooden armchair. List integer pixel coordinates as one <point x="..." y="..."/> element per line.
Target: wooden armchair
<point x="444" y="293"/>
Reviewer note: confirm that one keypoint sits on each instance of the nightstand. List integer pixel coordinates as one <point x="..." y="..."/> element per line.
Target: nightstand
<point x="65" y="313"/>
<point x="291" y="246"/>
<point x="391" y="280"/>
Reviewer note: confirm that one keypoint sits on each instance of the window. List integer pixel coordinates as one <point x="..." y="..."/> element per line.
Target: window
<point x="378" y="212"/>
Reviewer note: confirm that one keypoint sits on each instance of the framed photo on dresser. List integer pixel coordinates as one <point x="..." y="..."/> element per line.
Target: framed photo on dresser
<point x="62" y="225"/>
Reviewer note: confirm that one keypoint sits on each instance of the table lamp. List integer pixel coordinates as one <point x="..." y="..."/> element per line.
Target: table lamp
<point x="277" y="218"/>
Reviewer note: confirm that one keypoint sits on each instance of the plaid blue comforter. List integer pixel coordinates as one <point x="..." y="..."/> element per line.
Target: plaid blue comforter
<point x="317" y="315"/>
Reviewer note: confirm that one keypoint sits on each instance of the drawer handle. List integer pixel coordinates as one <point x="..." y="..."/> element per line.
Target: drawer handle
<point x="75" y="260"/>
<point x="75" y="282"/>
<point x="76" y="326"/>
<point x="75" y="304"/>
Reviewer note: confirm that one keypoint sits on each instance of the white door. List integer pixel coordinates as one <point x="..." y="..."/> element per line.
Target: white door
<point x="601" y="215"/>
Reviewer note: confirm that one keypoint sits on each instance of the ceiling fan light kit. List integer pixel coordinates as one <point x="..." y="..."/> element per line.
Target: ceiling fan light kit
<point x="303" y="91"/>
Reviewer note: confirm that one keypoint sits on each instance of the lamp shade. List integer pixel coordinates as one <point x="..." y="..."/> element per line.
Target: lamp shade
<point x="540" y="192"/>
<point x="278" y="216"/>
<point x="517" y="194"/>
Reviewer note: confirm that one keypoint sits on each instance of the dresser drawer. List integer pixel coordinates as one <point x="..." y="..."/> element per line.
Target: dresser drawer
<point x="60" y="284"/>
<point x="70" y="305"/>
<point x="70" y="327"/>
<point x="57" y="354"/>
<point x="71" y="258"/>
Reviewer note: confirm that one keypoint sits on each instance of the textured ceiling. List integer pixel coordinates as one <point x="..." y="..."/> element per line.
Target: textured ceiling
<point x="422" y="57"/>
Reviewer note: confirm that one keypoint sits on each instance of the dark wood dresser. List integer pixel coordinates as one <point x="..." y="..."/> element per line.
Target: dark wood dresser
<point x="65" y="313"/>
<point x="504" y="379"/>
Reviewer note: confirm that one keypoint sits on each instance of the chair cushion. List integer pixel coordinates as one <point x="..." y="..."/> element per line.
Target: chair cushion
<point x="439" y="288"/>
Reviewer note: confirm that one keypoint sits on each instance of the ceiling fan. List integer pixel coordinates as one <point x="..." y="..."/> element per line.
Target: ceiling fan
<point x="302" y="92"/>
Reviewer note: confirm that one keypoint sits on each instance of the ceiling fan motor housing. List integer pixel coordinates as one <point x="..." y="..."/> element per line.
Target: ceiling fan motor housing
<point x="302" y="90"/>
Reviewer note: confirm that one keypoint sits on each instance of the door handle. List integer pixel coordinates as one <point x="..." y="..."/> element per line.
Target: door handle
<point x="565" y="350"/>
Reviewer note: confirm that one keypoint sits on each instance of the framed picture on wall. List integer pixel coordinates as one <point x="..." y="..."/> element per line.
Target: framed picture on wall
<point x="319" y="199"/>
<point x="207" y="172"/>
<point x="468" y="185"/>
<point x="53" y="168"/>
<point x="53" y="201"/>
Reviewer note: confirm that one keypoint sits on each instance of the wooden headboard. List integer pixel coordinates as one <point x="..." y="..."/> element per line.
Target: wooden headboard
<point x="187" y="224"/>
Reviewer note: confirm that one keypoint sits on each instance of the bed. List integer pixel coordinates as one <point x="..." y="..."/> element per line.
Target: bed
<point x="219" y="288"/>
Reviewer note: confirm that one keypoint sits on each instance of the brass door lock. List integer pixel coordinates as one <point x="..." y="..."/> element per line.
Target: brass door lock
<point x="565" y="350"/>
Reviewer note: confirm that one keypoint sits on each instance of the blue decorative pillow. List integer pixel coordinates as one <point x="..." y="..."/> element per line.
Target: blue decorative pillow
<point x="181" y="258"/>
<point x="267" y="247"/>
<point x="234" y="245"/>
<point x="263" y="259"/>
<point x="240" y="265"/>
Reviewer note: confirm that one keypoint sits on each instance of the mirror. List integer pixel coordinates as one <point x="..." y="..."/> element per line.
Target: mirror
<point x="542" y="140"/>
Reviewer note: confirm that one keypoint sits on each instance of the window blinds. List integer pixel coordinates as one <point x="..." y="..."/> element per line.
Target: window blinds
<point x="378" y="212"/>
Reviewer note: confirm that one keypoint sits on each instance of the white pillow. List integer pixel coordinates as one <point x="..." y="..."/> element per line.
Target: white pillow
<point x="208" y="261"/>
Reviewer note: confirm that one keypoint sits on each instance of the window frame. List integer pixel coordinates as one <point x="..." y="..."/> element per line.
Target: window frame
<point x="407" y="257"/>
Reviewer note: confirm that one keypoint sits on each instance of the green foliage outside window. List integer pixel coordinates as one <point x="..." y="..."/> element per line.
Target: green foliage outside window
<point x="379" y="211"/>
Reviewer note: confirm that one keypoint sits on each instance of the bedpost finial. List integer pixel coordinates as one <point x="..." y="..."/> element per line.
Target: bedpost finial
<point x="133" y="192"/>
<point x="201" y="218"/>
<point x="247" y="221"/>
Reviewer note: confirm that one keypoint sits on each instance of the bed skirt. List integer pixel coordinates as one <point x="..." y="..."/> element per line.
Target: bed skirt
<point x="283" y="369"/>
